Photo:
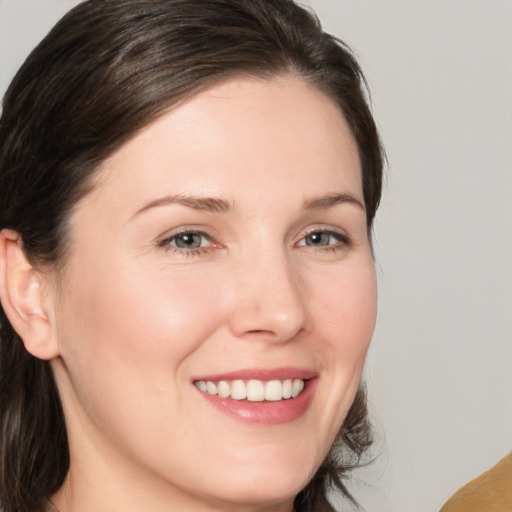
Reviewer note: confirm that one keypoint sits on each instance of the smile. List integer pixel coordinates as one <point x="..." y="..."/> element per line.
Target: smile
<point x="253" y="390"/>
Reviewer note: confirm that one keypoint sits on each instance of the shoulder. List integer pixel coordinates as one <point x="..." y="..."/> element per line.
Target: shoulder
<point x="491" y="491"/>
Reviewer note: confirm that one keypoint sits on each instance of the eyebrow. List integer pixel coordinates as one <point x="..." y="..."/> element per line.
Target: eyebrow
<point x="209" y="204"/>
<point x="219" y="205"/>
<point x="330" y="200"/>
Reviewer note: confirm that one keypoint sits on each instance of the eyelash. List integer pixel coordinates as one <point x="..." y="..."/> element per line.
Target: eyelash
<point x="342" y="241"/>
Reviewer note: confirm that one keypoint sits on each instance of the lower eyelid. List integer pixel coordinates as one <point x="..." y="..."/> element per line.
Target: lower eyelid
<point x="187" y="252"/>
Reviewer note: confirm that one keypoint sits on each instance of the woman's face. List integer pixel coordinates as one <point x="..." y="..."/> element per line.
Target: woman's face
<point x="227" y="242"/>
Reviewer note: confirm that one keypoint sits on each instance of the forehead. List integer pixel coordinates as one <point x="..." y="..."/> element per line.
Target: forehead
<point x="239" y="131"/>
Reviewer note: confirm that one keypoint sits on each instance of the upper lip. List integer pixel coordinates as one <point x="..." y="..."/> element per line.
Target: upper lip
<point x="264" y="374"/>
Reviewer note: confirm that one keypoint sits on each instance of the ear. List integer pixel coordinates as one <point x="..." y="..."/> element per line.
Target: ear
<point x="26" y="298"/>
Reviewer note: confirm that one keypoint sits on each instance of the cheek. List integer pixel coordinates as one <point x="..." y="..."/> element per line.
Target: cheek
<point x="125" y="336"/>
<point x="343" y="307"/>
<point x="346" y="305"/>
<point x="139" y="308"/>
<point x="134" y="325"/>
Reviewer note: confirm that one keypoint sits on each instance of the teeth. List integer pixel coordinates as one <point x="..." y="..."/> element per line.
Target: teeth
<point x="211" y="388"/>
<point x="297" y="387"/>
<point x="253" y="390"/>
<point x="287" y="388"/>
<point x="273" y="390"/>
<point x="223" y="389"/>
<point x="238" y="390"/>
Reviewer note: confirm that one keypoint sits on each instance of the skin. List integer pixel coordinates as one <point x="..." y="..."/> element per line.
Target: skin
<point x="136" y="318"/>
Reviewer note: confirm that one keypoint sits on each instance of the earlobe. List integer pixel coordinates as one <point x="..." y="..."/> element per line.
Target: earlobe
<point x="22" y="293"/>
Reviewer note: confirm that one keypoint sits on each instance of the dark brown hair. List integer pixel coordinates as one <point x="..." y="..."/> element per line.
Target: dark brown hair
<point x="106" y="70"/>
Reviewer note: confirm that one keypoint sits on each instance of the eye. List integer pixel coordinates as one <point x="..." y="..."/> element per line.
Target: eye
<point x="187" y="241"/>
<point x="324" y="239"/>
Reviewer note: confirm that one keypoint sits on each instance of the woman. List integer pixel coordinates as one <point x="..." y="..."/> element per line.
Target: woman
<point x="187" y="283"/>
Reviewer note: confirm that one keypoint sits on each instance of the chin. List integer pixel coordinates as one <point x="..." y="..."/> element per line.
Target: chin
<point x="267" y="483"/>
<point x="263" y="492"/>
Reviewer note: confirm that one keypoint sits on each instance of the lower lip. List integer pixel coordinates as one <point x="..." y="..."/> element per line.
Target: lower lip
<point x="268" y="413"/>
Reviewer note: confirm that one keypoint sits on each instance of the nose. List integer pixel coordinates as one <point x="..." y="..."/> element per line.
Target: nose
<point x="269" y="300"/>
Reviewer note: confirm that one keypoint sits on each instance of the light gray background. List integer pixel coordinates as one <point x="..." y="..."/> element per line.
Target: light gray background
<point x="439" y="369"/>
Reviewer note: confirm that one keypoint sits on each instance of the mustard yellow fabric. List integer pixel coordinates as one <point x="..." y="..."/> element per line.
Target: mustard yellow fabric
<point x="490" y="492"/>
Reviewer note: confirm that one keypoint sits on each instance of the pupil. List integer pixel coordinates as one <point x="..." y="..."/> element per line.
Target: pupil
<point x="319" y="239"/>
<point x="188" y="241"/>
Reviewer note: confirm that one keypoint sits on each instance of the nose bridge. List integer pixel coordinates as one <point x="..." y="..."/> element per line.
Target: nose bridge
<point x="269" y="299"/>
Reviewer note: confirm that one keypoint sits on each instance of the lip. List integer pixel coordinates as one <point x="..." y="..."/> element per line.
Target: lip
<point x="268" y="413"/>
<point x="261" y="374"/>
